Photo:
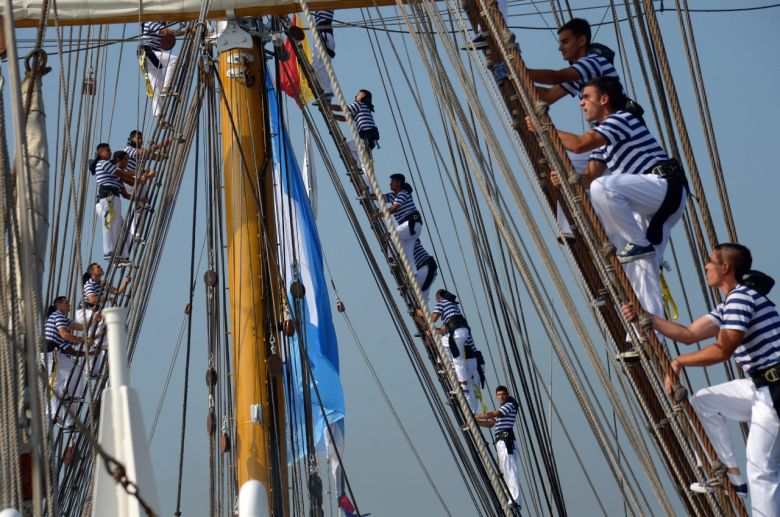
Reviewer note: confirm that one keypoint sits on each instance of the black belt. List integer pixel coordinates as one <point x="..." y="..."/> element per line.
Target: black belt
<point x="676" y="183"/>
<point x="455" y="323"/>
<point x="322" y="30"/>
<point x="769" y="377"/>
<point x="50" y="346"/>
<point x="106" y="191"/>
<point x="371" y="136"/>
<point x="432" y="269"/>
<point x="151" y="56"/>
<point x="508" y="437"/>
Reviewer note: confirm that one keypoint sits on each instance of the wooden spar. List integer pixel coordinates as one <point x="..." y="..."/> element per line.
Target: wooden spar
<point x="71" y="12"/>
<point x="253" y="274"/>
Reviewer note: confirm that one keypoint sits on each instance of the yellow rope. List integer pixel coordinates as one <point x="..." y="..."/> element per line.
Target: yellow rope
<point x="670" y="306"/>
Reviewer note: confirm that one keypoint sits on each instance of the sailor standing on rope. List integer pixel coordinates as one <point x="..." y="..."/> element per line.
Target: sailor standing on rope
<point x="109" y="207"/>
<point x="503" y="422"/>
<point x="157" y="38"/>
<point x="455" y="334"/>
<point x="362" y="113"/>
<point x="643" y="195"/>
<point x="65" y="379"/>
<point x="324" y="21"/>
<point x="587" y="61"/>
<point x="427" y="269"/>
<point x="407" y="217"/>
<point x="746" y="327"/>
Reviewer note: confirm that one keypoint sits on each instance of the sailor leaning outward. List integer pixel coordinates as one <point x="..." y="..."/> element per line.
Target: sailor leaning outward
<point x="455" y="334"/>
<point x="362" y="112"/>
<point x="109" y="208"/>
<point x="92" y="285"/>
<point x="138" y="156"/>
<point x="643" y="195"/>
<point x="746" y="327"/>
<point x="407" y="217"/>
<point x="324" y="30"/>
<point x="65" y="377"/>
<point x="157" y="38"/>
<point x="427" y="269"/>
<point x="503" y="422"/>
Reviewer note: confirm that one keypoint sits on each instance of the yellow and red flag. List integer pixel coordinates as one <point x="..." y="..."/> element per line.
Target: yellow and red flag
<point x="291" y="78"/>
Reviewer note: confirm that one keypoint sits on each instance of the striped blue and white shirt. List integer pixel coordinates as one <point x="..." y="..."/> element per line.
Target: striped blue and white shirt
<point x="630" y="148"/>
<point x="132" y="158"/>
<point x="420" y="255"/>
<point x="56" y="320"/>
<point x="323" y="17"/>
<point x="92" y="287"/>
<point x="589" y="68"/>
<point x="748" y="311"/>
<point x="106" y="176"/>
<point x="150" y="34"/>
<point x="361" y="114"/>
<point x="447" y="309"/>
<point x="405" y="203"/>
<point x="508" y="413"/>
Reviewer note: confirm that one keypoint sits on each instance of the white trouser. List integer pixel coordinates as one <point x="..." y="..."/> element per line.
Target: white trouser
<point x="407" y="240"/>
<point x="319" y="65"/>
<point x="354" y="150"/>
<point x="580" y="162"/>
<point x="160" y="78"/>
<point x="625" y="203"/>
<point x="94" y="362"/>
<point x="139" y="214"/>
<point x="109" y="210"/>
<point x="421" y="275"/>
<point x="459" y="337"/>
<point x="474" y="388"/>
<point x="67" y="380"/>
<point x="739" y="400"/>
<point x="510" y="468"/>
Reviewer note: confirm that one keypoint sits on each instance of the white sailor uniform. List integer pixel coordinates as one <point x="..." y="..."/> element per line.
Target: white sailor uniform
<point x="740" y="400"/>
<point x="408" y="222"/>
<point x="427" y="270"/>
<point x="505" y="440"/>
<point x="109" y="209"/>
<point x="472" y="367"/>
<point x="160" y="64"/>
<point x="65" y="376"/>
<point x="628" y="196"/>
<point x="454" y="341"/>
<point x="324" y="31"/>
<point x="366" y="128"/>
<point x="139" y="191"/>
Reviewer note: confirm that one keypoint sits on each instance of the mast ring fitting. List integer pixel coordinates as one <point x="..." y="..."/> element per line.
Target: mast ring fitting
<point x="679" y="393"/>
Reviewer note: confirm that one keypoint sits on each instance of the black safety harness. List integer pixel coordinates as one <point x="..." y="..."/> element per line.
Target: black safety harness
<point x="431" y="274"/>
<point x="770" y="377"/>
<point x="453" y="324"/>
<point x="673" y="173"/>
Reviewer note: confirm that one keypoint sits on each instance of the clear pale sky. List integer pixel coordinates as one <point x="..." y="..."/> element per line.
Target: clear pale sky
<point x="740" y="72"/>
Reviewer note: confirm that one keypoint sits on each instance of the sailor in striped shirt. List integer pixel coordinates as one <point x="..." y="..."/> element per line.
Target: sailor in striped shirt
<point x="407" y="217"/>
<point x="361" y="112"/>
<point x="503" y="422"/>
<point x="746" y="327"/>
<point x="324" y="21"/>
<point x="455" y="334"/>
<point x="427" y="269"/>
<point x="160" y="64"/>
<point x="65" y="375"/>
<point x="110" y="178"/>
<point x="140" y="156"/>
<point x="641" y="198"/>
<point x="92" y="282"/>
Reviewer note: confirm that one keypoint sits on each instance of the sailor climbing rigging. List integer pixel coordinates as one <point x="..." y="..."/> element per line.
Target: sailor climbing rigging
<point x="455" y="334"/>
<point x="157" y="38"/>
<point x="138" y="155"/>
<point x="407" y="217"/>
<point x="427" y="269"/>
<point x="746" y="327"/>
<point x="92" y="285"/>
<point x="324" y="30"/>
<point x="641" y="198"/>
<point x="361" y="112"/>
<point x="503" y="423"/>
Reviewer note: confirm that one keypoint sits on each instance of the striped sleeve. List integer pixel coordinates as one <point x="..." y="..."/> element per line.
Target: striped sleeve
<point x="439" y="309"/>
<point x="353" y="108"/>
<point x="614" y="129"/>
<point x="737" y="311"/>
<point x="508" y="409"/>
<point x="599" y="154"/>
<point x="402" y="198"/>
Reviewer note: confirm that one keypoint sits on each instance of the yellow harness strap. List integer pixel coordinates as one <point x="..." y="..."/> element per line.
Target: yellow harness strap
<point x="142" y="64"/>
<point x="670" y="306"/>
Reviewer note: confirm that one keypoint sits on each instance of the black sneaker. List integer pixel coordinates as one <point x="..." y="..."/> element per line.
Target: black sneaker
<point x="741" y="490"/>
<point x="634" y="252"/>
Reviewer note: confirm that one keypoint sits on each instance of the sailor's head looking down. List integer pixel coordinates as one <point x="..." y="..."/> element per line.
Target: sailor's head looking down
<point x="601" y="98"/>
<point x="727" y="264"/>
<point x="103" y="151"/>
<point x="136" y="138"/>
<point x="366" y="98"/>
<point x="443" y="294"/>
<point x="502" y="394"/>
<point x="397" y="182"/>
<point x="120" y="159"/>
<point x="573" y="39"/>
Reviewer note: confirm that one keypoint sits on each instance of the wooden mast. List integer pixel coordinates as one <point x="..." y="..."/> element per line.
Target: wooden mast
<point x="253" y="274"/>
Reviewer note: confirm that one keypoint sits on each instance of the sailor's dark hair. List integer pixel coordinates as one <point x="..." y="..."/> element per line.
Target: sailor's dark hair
<point x="737" y="255"/>
<point x="503" y="388"/>
<point x="53" y="307"/>
<point x="88" y="273"/>
<point x="134" y="133"/>
<point x="398" y="177"/>
<point x="93" y="162"/>
<point x="368" y="99"/>
<point x="443" y="293"/>
<point x="611" y="87"/>
<point x="578" y="27"/>
<point x="118" y="155"/>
